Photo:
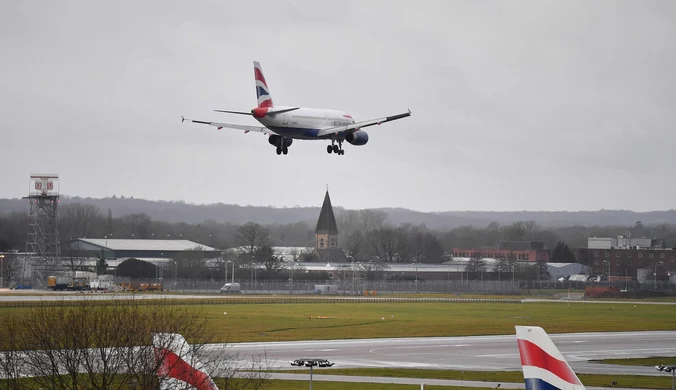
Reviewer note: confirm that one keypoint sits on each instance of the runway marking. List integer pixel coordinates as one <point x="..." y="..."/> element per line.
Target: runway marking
<point x="319" y="350"/>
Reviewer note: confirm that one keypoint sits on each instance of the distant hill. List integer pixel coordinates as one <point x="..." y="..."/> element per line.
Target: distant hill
<point x="192" y="213"/>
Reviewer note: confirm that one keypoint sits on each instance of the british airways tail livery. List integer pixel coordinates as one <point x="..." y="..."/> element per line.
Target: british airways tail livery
<point x="177" y="365"/>
<point x="544" y="367"/>
<point x="283" y="124"/>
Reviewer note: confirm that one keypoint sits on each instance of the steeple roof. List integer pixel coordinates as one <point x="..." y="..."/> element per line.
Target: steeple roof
<point x="326" y="224"/>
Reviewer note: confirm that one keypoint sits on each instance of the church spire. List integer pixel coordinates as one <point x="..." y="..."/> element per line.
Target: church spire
<point x="326" y="223"/>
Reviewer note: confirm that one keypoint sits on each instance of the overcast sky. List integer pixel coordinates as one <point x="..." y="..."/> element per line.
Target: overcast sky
<point x="516" y="105"/>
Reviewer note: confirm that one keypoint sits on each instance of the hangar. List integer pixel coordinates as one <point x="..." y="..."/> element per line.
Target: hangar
<point x="137" y="248"/>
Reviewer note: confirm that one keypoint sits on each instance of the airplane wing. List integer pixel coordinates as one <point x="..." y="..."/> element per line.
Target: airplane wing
<point x="219" y="125"/>
<point x="359" y="125"/>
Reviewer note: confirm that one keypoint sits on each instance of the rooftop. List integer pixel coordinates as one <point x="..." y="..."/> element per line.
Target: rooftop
<point x="147" y="245"/>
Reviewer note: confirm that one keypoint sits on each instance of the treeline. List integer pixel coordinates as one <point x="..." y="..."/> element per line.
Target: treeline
<point x="365" y="234"/>
<point x="179" y="211"/>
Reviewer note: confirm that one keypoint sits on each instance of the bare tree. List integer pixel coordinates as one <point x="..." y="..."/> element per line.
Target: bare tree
<point x="78" y="220"/>
<point x="503" y="265"/>
<point x="385" y="244"/>
<point x="250" y="237"/>
<point x="373" y="270"/>
<point x="372" y="219"/>
<point x="70" y="256"/>
<point x="136" y="225"/>
<point x="10" y="268"/>
<point x="113" y="345"/>
<point x="476" y="264"/>
<point x="270" y="260"/>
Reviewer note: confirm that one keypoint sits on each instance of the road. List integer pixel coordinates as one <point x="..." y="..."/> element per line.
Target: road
<point x="476" y="353"/>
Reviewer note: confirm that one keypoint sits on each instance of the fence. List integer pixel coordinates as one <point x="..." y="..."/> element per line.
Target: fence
<point x="345" y="287"/>
<point x="358" y="286"/>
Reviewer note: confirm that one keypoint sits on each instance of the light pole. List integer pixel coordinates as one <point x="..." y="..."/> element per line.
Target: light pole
<point x="2" y="266"/>
<point x="671" y="369"/>
<point x="655" y="275"/>
<point x="353" y="276"/>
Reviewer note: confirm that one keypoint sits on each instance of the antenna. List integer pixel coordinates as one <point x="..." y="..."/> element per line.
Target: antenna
<point x="43" y="242"/>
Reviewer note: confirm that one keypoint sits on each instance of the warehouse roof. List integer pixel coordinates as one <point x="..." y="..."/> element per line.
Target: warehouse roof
<point x="147" y="245"/>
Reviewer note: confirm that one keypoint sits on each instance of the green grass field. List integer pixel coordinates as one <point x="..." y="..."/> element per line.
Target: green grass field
<point x="275" y="322"/>
<point x="371" y="320"/>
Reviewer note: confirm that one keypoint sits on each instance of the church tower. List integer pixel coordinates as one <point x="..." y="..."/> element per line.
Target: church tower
<point x="326" y="233"/>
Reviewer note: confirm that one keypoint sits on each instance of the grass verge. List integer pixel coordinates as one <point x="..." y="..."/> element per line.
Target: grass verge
<point x="629" y="381"/>
<point x="648" y="362"/>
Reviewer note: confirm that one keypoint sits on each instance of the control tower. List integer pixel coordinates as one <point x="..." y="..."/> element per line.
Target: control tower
<point x="43" y="230"/>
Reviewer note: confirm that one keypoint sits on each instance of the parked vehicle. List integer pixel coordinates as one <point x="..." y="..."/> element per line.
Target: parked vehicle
<point x="231" y="288"/>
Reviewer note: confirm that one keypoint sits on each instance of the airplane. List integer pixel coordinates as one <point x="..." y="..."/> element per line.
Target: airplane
<point x="544" y="367"/>
<point x="177" y="365"/>
<point x="283" y="124"/>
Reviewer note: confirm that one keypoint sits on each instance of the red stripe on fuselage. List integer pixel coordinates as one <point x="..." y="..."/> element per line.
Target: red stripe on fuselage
<point x="259" y="76"/>
<point x="532" y="355"/>
<point x="175" y="367"/>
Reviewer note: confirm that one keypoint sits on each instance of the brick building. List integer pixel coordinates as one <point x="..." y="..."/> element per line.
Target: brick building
<point x="625" y="261"/>
<point x="497" y="253"/>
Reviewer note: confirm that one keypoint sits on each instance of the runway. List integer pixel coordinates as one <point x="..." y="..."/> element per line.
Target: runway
<point x="475" y="353"/>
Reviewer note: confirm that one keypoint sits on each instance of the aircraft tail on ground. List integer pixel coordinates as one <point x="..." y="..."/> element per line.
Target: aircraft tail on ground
<point x="178" y="366"/>
<point x="544" y="367"/>
<point x="262" y="90"/>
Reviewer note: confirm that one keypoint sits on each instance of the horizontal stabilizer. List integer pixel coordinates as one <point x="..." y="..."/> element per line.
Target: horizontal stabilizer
<point x="235" y="112"/>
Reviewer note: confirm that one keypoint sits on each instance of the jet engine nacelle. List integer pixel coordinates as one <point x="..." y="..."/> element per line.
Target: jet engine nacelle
<point x="280" y="141"/>
<point x="357" y="138"/>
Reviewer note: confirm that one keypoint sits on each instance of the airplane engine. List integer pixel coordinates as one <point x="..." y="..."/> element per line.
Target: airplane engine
<point x="280" y="141"/>
<point x="357" y="138"/>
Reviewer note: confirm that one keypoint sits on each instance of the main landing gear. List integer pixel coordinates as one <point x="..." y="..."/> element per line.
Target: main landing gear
<point x="333" y="148"/>
<point x="281" y="144"/>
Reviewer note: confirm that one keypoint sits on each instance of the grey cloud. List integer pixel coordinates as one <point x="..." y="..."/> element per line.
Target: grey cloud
<point x="516" y="104"/>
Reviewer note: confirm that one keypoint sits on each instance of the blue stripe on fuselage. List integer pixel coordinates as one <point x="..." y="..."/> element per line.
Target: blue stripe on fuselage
<point x="539" y="384"/>
<point x="300" y="133"/>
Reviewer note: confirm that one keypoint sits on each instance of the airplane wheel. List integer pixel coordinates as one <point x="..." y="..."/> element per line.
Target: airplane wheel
<point x="335" y="149"/>
<point x="279" y="151"/>
<point x="285" y="150"/>
<point x="342" y="152"/>
<point x="329" y="149"/>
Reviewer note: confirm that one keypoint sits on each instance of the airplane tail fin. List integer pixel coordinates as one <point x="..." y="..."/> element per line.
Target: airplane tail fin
<point x="177" y="364"/>
<point x="544" y="367"/>
<point x="262" y="90"/>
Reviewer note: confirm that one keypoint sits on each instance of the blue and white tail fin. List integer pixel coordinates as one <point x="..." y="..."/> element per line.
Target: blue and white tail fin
<point x="177" y="365"/>
<point x="544" y="367"/>
<point x="262" y="90"/>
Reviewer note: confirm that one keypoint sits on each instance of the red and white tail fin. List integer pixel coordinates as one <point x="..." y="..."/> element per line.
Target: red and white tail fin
<point x="178" y="366"/>
<point x="544" y="367"/>
<point x="262" y="90"/>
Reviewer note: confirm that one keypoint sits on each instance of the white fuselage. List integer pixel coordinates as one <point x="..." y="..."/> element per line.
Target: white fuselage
<point x="305" y="123"/>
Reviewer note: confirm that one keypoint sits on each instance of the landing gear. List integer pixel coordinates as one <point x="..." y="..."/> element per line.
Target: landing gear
<point x="282" y="150"/>
<point x="337" y="149"/>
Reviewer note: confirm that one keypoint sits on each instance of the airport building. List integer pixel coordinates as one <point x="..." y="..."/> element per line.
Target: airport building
<point x="517" y="250"/>
<point x="628" y="257"/>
